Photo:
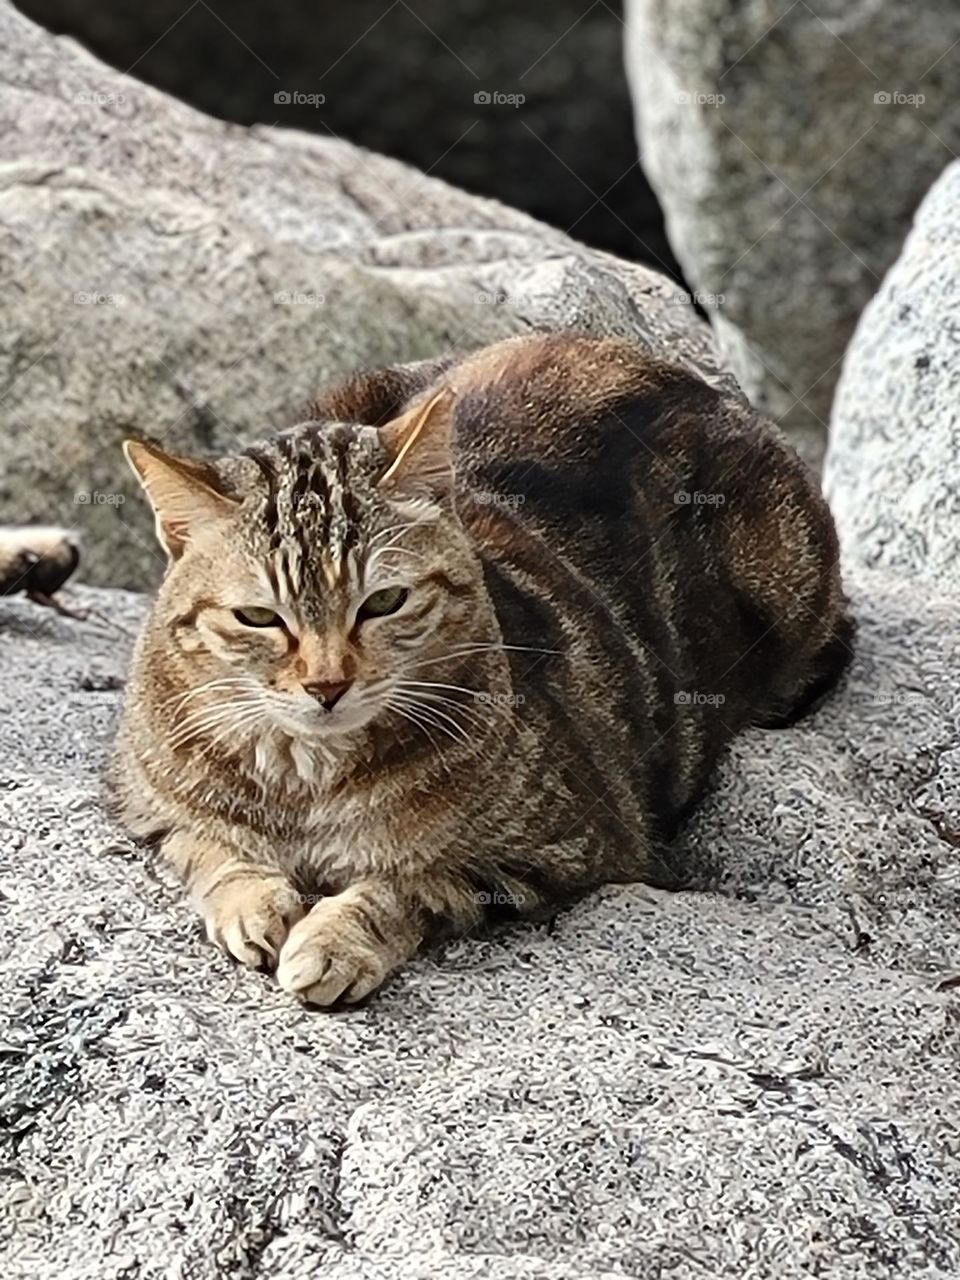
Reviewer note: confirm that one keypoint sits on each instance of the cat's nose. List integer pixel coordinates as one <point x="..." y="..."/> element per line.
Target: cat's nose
<point x="327" y="692"/>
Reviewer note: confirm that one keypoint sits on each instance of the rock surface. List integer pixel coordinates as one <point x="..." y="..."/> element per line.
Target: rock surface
<point x="166" y="274"/>
<point x="893" y="468"/>
<point x="788" y="151"/>
<point x="755" y="1077"/>
<point x="402" y="79"/>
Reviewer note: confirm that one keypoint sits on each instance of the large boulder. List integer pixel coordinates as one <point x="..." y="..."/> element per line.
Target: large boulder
<point x="790" y="144"/>
<point x="416" y="81"/>
<point x="754" y="1077"/>
<point x="167" y="274"/>
<point x="893" y="468"/>
<point x="757" y="1076"/>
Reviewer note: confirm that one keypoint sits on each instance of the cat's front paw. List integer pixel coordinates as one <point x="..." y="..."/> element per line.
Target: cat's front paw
<point x="250" y="916"/>
<point x="330" y="956"/>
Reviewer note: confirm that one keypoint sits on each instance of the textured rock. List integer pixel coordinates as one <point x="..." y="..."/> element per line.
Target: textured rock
<point x="893" y="468"/>
<point x="171" y="275"/>
<point x="787" y="186"/>
<point x="402" y="79"/>
<point x="756" y="1077"/>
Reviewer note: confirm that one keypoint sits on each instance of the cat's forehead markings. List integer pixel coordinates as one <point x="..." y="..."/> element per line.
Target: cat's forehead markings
<point x="268" y="578"/>
<point x="332" y="565"/>
<point x="287" y="573"/>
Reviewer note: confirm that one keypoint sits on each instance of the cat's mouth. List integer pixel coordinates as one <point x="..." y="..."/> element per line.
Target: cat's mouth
<point x="305" y="718"/>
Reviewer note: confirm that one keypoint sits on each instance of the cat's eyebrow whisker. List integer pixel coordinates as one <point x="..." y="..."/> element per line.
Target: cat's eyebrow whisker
<point x="383" y="533"/>
<point x="398" y="529"/>
<point x="396" y="550"/>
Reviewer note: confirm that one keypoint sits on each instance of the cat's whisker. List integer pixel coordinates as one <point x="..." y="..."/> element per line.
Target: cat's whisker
<point x="220" y="705"/>
<point x="217" y="709"/>
<point x="473" y="719"/>
<point x="470" y="708"/>
<point x="408" y="713"/>
<point x="486" y="729"/>
<point x="197" y="725"/>
<point x="436" y="713"/>
<point x="478" y="697"/>
<point x="425" y="720"/>
<point x="211" y="686"/>
<point x="471" y="650"/>
<point x="239" y="727"/>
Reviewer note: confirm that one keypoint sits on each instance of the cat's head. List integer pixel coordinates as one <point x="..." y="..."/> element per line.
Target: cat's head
<point x="313" y="581"/>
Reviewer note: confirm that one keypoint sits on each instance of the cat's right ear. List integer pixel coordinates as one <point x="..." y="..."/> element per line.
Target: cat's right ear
<point x="183" y="492"/>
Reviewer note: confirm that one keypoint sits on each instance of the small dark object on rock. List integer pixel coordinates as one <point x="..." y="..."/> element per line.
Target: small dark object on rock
<point x="100" y="684"/>
<point x="37" y="560"/>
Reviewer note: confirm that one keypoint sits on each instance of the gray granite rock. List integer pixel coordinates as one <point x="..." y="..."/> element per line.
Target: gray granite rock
<point x="403" y="80"/>
<point x="893" y="468"/>
<point x="757" y="1076"/>
<point x="789" y="152"/>
<point x="168" y="274"/>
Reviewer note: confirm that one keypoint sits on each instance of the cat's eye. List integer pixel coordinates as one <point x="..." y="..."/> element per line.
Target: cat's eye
<point x="380" y="603"/>
<point x="257" y="617"/>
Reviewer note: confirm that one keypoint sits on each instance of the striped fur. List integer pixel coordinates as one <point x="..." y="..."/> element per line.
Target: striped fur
<point x="612" y="569"/>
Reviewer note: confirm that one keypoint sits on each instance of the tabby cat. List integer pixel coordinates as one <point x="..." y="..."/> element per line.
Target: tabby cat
<point x="468" y="640"/>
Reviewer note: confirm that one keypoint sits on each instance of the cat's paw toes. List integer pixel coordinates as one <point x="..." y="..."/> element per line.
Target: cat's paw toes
<point x="327" y="958"/>
<point x="251" y="917"/>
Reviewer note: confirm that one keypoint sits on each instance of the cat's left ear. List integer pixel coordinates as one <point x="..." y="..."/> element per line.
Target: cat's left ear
<point x="419" y="444"/>
<point x="183" y="492"/>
